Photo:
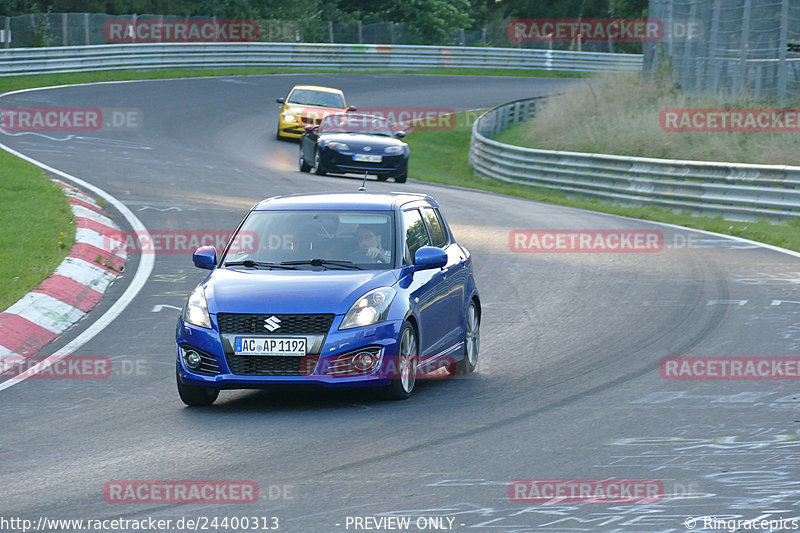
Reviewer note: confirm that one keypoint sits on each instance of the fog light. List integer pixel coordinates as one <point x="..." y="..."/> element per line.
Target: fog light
<point x="192" y="359"/>
<point x="363" y="361"/>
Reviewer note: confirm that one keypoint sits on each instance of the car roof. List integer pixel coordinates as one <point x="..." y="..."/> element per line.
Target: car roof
<point x="317" y="88"/>
<point x="364" y="201"/>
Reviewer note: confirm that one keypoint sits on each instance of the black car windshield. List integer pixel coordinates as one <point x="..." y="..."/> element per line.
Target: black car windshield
<point x="316" y="98"/>
<point x="353" y="123"/>
<point x="330" y="240"/>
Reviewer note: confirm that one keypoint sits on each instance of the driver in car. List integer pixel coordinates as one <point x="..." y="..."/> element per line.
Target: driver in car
<point x="369" y="243"/>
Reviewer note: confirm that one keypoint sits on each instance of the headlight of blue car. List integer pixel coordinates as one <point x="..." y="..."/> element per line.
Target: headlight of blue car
<point x="197" y="309"/>
<point x="342" y="147"/>
<point x="393" y="149"/>
<point x="369" y="309"/>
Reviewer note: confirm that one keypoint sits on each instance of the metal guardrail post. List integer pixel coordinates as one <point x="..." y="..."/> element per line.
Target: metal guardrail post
<point x="743" y="50"/>
<point x="783" y="42"/>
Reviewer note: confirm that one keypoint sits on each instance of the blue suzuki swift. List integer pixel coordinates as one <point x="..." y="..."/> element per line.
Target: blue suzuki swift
<point x="339" y="290"/>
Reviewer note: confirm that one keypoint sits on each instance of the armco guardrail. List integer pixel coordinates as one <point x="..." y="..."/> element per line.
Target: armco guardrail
<point x="15" y="61"/>
<point x="734" y="191"/>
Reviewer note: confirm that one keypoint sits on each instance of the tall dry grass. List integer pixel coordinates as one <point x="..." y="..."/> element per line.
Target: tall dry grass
<point x="619" y="114"/>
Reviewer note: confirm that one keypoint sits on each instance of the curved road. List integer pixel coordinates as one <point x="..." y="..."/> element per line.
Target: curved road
<point x="568" y="385"/>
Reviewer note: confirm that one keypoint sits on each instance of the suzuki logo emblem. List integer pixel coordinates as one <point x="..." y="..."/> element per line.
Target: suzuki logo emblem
<point x="272" y="323"/>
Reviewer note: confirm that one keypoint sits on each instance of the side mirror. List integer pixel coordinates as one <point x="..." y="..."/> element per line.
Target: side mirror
<point x="429" y="257"/>
<point x="205" y="257"/>
<point x="352" y="108"/>
<point x="280" y="100"/>
<point x="309" y="128"/>
<point x="400" y="134"/>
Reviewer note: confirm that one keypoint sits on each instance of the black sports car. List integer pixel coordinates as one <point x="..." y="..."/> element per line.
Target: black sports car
<point x="353" y="143"/>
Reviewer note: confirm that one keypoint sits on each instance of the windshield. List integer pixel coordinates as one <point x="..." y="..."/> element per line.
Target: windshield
<point x="296" y="238"/>
<point x="316" y="98"/>
<point x="352" y="123"/>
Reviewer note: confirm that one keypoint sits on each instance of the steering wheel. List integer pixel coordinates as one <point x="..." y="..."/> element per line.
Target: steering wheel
<point x="360" y="256"/>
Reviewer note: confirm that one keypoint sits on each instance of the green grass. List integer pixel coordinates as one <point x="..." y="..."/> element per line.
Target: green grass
<point x="36" y="228"/>
<point x="620" y="115"/>
<point x="13" y="83"/>
<point x="442" y="157"/>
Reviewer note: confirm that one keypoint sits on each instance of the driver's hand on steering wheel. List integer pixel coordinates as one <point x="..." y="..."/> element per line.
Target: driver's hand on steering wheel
<point x="373" y="252"/>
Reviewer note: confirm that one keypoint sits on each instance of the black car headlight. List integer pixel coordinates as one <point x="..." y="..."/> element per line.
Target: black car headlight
<point x="342" y="147"/>
<point x="393" y="149"/>
<point x="369" y="309"/>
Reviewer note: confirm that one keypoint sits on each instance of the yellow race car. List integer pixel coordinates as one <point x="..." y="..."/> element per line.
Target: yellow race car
<point x="308" y="105"/>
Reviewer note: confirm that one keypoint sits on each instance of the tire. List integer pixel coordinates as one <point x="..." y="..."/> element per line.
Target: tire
<point x="382" y="177"/>
<point x="407" y="358"/>
<point x="472" y="340"/>
<point x="195" y="396"/>
<point x="401" y="178"/>
<point x="304" y="167"/>
<point x="318" y="170"/>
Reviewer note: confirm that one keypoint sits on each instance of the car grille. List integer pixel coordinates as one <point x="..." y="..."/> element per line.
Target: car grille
<point x="248" y="365"/>
<point x="318" y="324"/>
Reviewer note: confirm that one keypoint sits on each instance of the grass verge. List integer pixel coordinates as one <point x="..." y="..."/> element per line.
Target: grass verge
<point x="620" y="115"/>
<point x="36" y="228"/>
<point x="442" y="157"/>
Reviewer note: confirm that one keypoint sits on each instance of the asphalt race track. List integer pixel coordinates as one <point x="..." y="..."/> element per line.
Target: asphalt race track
<point x="568" y="384"/>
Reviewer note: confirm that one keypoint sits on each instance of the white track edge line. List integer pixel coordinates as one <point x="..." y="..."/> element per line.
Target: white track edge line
<point x="143" y="272"/>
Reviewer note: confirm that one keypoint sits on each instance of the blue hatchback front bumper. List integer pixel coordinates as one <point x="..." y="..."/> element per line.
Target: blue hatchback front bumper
<point x="315" y="369"/>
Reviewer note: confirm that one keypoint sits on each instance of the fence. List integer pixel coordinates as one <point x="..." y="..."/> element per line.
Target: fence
<point x="732" y="47"/>
<point x="734" y="191"/>
<point x="82" y="29"/>
<point x="130" y="56"/>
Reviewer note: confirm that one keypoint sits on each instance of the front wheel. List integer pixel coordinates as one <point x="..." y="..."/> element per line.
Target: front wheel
<point x="472" y="340"/>
<point x="406" y="366"/>
<point x="195" y="396"/>
<point x="401" y="178"/>
<point x="304" y="167"/>
<point x="318" y="170"/>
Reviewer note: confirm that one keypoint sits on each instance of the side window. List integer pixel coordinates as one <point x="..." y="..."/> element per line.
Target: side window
<point x="435" y="227"/>
<point x="416" y="236"/>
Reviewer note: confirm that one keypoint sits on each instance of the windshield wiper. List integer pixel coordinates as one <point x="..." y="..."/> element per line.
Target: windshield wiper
<point x="258" y="264"/>
<point x="324" y="262"/>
